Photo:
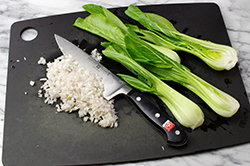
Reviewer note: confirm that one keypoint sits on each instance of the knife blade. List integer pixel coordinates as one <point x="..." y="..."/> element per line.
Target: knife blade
<point x="113" y="86"/>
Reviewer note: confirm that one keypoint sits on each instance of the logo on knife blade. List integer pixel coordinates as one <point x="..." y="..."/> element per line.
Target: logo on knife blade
<point x="98" y="66"/>
<point x="95" y="63"/>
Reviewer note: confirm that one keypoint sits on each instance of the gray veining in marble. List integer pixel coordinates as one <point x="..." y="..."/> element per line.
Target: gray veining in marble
<point x="236" y="14"/>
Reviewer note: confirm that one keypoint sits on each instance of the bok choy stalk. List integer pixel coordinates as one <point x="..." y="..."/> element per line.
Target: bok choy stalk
<point x="184" y="110"/>
<point x="167" y="69"/>
<point x="217" y="56"/>
<point x="104" y="23"/>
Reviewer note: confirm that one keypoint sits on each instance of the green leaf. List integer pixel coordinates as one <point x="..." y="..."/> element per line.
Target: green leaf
<point x="152" y="37"/>
<point x="93" y="9"/>
<point x="136" y="83"/>
<point x="120" y="54"/>
<point x="161" y="22"/>
<point x="99" y="24"/>
<point x="133" y="12"/>
<point x="96" y="9"/>
<point x="150" y="21"/>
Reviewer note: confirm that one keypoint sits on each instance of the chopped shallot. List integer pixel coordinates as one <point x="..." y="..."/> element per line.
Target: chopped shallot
<point x="96" y="55"/>
<point x="77" y="89"/>
<point x="42" y="61"/>
<point x="32" y="83"/>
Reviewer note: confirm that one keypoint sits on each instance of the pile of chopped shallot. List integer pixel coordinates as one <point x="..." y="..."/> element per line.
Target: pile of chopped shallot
<point x="77" y="89"/>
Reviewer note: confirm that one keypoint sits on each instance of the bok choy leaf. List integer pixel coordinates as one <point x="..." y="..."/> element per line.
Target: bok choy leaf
<point x="99" y="25"/>
<point x="217" y="56"/>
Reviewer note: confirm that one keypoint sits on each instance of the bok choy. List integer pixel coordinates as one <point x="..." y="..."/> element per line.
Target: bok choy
<point x="184" y="110"/>
<point x="217" y="56"/>
<point x="112" y="28"/>
<point x="151" y="64"/>
<point x="167" y="69"/>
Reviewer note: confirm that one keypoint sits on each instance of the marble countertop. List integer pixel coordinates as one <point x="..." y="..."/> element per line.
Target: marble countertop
<point x="236" y="14"/>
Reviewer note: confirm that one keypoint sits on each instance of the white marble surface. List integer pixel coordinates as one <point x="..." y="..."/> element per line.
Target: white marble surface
<point x="236" y="15"/>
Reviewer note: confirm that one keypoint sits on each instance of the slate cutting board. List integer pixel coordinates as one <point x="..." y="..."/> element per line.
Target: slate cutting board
<point x="34" y="134"/>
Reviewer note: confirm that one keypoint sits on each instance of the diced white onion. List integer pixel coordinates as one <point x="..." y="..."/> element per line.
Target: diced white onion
<point x="77" y="89"/>
<point x="43" y="79"/>
<point x="42" y="61"/>
<point x="96" y="55"/>
<point x="32" y="83"/>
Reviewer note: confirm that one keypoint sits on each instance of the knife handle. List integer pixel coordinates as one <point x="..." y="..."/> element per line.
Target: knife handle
<point x="176" y="136"/>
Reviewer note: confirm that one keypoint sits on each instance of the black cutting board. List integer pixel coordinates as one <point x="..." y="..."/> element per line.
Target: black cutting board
<point x="34" y="134"/>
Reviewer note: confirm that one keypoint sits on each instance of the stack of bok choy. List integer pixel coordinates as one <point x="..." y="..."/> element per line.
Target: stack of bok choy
<point x="151" y="56"/>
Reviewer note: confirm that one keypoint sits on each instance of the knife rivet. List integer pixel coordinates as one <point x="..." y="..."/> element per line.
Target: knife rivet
<point x="177" y="132"/>
<point x="157" y="115"/>
<point x="138" y="98"/>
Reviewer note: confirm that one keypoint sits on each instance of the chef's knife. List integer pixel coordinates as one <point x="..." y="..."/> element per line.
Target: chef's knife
<point x="113" y="86"/>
